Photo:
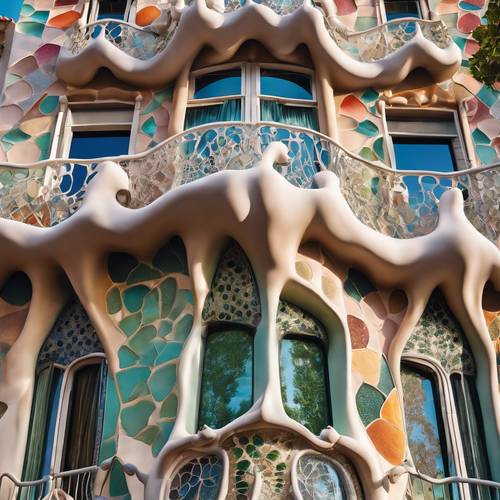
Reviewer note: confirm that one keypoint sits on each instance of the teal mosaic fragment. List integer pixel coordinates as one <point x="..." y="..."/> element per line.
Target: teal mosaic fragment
<point x="113" y="300"/>
<point x="169" y="407"/>
<point x="142" y="273"/>
<point x="117" y="482"/>
<point x="49" y="104"/>
<point x="480" y="137"/>
<point x="165" y="328"/>
<point x="149" y="127"/>
<point x="133" y="297"/>
<point x="132" y="383"/>
<point x="140" y="341"/>
<point x="369" y="95"/>
<point x="487" y="95"/>
<point x="16" y="135"/>
<point x="149" y="434"/>
<point x="378" y="147"/>
<point x="111" y="409"/>
<point x="134" y="418"/>
<point x="163" y="381"/>
<point x="172" y="257"/>
<point x="43" y="141"/>
<point x="385" y="383"/>
<point x="368" y="128"/>
<point x="171" y="351"/>
<point x="127" y="357"/>
<point x="150" y="309"/>
<point x="369" y="402"/>
<point x="183" y="327"/>
<point x="130" y="324"/>
<point x="168" y="292"/>
<point x="120" y="264"/>
<point x="486" y="154"/>
<point x="162" y="438"/>
<point x="29" y="28"/>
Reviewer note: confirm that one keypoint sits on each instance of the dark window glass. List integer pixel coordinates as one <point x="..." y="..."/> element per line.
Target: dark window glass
<point x="229" y="111"/>
<point x="218" y="84"/>
<point x="98" y="144"/>
<point x="112" y="9"/>
<point x="285" y="84"/>
<point x="300" y="116"/>
<point x="304" y="386"/>
<point x="469" y="417"/>
<point x="401" y="9"/>
<point x="226" y="387"/>
<point x="414" y="153"/>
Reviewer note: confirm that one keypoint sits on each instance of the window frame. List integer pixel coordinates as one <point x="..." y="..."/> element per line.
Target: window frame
<point x="457" y="141"/>
<point x="59" y="444"/>
<point x="65" y="126"/>
<point x="425" y="13"/>
<point x="451" y="429"/>
<point x="250" y="95"/>
<point x="91" y="11"/>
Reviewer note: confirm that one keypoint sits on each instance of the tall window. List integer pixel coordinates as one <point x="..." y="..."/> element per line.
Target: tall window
<point x="252" y="93"/>
<point x="90" y="131"/>
<point x="227" y="381"/>
<point x="303" y="368"/>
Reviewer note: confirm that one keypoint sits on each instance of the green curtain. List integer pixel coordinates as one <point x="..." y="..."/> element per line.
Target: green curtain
<point x="38" y="425"/>
<point x="300" y="116"/>
<point x="229" y="111"/>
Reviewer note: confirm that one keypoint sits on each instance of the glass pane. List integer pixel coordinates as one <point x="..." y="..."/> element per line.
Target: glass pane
<point x="318" y="479"/>
<point x="423" y="154"/>
<point x="112" y="9"/>
<point x="198" y="479"/>
<point x="98" y="144"/>
<point x="300" y="116"/>
<point x="401" y="9"/>
<point x="304" y="384"/>
<point x="471" y="430"/>
<point x="226" y="387"/>
<point x="230" y="111"/>
<point x="218" y="84"/>
<point x="423" y="422"/>
<point x="285" y="84"/>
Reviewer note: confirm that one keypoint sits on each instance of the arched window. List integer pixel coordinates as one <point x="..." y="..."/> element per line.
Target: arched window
<point x="319" y="477"/>
<point x="231" y="312"/>
<point x="252" y="92"/>
<point x="226" y="387"/>
<point x="303" y="368"/>
<point x="198" y="479"/>
<point x="68" y="399"/>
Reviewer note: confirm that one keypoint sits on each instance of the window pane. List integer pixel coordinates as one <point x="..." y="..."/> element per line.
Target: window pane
<point x="423" y="154"/>
<point x="230" y="111"/>
<point x="300" y="116"/>
<point x="285" y="84"/>
<point x="471" y="430"/>
<point x="423" y="422"/>
<point x="318" y="478"/>
<point x="398" y="10"/>
<point x="98" y="144"/>
<point x="218" y="84"/>
<point x="226" y="388"/>
<point x="304" y="384"/>
<point x="112" y="9"/>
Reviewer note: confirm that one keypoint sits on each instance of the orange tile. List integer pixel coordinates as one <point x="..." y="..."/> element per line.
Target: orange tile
<point x="367" y="363"/>
<point x="64" y="20"/>
<point x="147" y="15"/>
<point x="389" y="440"/>
<point x="391" y="410"/>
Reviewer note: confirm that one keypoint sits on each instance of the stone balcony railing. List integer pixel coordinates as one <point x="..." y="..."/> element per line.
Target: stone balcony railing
<point x="396" y="203"/>
<point x="366" y="46"/>
<point x="380" y="41"/>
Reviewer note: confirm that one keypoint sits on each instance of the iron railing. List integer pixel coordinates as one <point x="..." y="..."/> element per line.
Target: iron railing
<point x="401" y="204"/>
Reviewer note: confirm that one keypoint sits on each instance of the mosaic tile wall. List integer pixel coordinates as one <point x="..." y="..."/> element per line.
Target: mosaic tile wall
<point x="151" y="304"/>
<point x="31" y="99"/>
<point x="359" y="122"/>
<point x="233" y="294"/>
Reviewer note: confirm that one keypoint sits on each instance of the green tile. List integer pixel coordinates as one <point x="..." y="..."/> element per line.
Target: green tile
<point x="120" y="265"/>
<point x="368" y="154"/>
<point x="127" y="357"/>
<point x="168" y="291"/>
<point x="113" y="300"/>
<point x="369" y="95"/>
<point x="369" y="401"/>
<point x="385" y="383"/>
<point x="43" y="141"/>
<point x="378" y="147"/>
<point x="111" y="409"/>
<point x="149" y="434"/>
<point x="133" y="297"/>
<point x="107" y="449"/>
<point x="117" y="482"/>
<point x="368" y="128"/>
<point x="149" y="127"/>
<point x="480" y="137"/>
<point x="16" y="135"/>
<point x="487" y="95"/>
<point x="165" y="328"/>
<point x="162" y="437"/>
<point x="172" y="257"/>
<point x="49" y="104"/>
<point x="130" y="324"/>
<point x="183" y="298"/>
<point x="150" y="310"/>
<point x="132" y="383"/>
<point x="140" y="341"/>
<point x="142" y="273"/>
<point x="171" y="351"/>
<point x="163" y="381"/>
<point x="135" y="418"/>
<point x="183" y="327"/>
<point x="169" y="407"/>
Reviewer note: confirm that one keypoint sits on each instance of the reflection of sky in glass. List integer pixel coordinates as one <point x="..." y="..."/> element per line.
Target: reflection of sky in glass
<point x="10" y="8"/>
<point x="98" y="144"/>
<point x="433" y="156"/>
<point x="319" y="479"/>
<point x="244" y="387"/>
<point x="288" y="371"/>
<point x="218" y="84"/>
<point x="285" y="84"/>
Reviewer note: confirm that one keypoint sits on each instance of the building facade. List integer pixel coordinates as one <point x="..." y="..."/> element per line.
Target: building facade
<point x="248" y="251"/>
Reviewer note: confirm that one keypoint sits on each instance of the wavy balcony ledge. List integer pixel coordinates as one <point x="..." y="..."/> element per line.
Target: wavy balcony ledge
<point x="380" y="57"/>
<point x="396" y="203"/>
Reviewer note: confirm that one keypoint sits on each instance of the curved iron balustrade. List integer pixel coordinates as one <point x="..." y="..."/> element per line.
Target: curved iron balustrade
<point x="397" y="203"/>
<point x="366" y="46"/>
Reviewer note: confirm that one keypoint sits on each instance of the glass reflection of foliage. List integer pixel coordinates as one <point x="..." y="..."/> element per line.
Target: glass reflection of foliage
<point x="226" y="388"/>
<point x="424" y="421"/>
<point x="319" y="479"/>
<point x="304" y="383"/>
<point x="199" y="479"/>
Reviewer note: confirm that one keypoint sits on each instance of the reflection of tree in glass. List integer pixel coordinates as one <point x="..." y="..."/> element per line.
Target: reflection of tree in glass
<point x="226" y="391"/>
<point x="422" y="423"/>
<point x="318" y="479"/>
<point x="303" y="385"/>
